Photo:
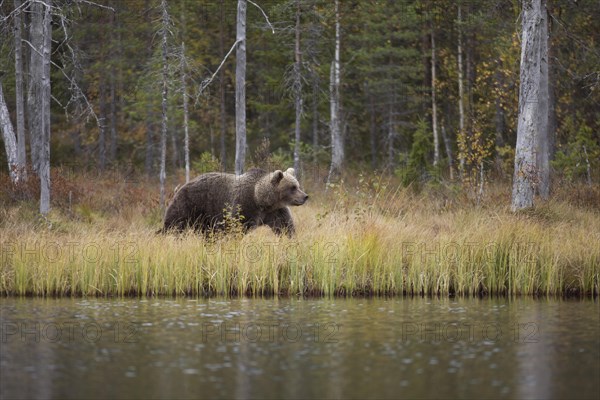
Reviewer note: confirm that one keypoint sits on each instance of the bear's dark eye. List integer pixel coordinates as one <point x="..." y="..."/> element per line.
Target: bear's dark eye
<point x="293" y="188"/>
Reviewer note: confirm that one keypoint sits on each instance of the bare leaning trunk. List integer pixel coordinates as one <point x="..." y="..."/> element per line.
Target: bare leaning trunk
<point x="21" y="155"/>
<point x="297" y="91"/>
<point x="240" y="89"/>
<point x="10" y="141"/>
<point x="542" y="148"/>
<point x="186" y="139"/>
<point x="337" y="144"/>
<point x="165" y="77"/>
<point x="436" y="144"/>
<point x="461" y="94"/>
<point x="530" y="114"/>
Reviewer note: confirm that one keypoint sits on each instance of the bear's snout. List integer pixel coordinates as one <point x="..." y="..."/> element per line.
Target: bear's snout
<point x="301" y="199"/>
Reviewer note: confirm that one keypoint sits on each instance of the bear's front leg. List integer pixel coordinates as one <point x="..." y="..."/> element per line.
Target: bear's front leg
<point x="281" y="222"/>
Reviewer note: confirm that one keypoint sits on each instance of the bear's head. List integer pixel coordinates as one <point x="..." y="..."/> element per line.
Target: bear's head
<point x="279" y="189"/>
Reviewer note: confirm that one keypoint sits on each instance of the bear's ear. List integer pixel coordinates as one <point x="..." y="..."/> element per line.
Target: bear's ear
<point x="291" y="172"/>
<point x="276" y="177"/>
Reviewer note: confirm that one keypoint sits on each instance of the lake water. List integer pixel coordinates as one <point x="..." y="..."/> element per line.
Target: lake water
<point x="291" y="348"/>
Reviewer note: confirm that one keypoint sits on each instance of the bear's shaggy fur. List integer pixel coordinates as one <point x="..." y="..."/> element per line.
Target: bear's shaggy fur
<point x="259" y="197"/>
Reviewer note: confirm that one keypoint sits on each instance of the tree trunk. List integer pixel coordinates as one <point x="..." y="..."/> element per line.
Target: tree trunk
<point x="150" y="122"/>
<point x="113" y="97"/>
<point x="499" y="118"/>
<point x="436" y="144"/>
<point x="44" y="156"/>
<point x="470" y="71"/>
<point x="21" y="154"/>
<point x="551" y="87"/>
<point x="372" y="130"/>
<point x="528" y="128"/>
<point x="297" y="91"/>
<point x="186" y="139"/>
<point x="113" y="118"/>
<point x="588" y="168"/>
<point x="337" y="144"/>
<point x="240" y="89"/>
<point x="165" y="77"/>
<point x="222" y="94"/>
<point x="461" y="96"/>
<point x="34" y="105"/>
<point x="552" y="124"/>
<point x="542" y="153"/>
<point x="10" y="141"/>
<point x="448" y="151"/>
<point x="315" y="120"/>
<point x="102" y="128"/>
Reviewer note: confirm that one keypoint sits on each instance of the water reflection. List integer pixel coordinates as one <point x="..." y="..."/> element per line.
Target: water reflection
<point x="356" y="348"/>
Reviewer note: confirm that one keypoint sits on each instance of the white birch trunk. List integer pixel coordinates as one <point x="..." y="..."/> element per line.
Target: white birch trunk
<point x="21" y="154"/>
<point x="337" y="144"/>
<point x="436" y="140"/>
<point x="525" y="175"/>
<point x="10" y="141"/>
<point x="461" y="93"/>
<point x="240" y="89"/>
<point x="165" y="77"/>
<point x="186" y="139"/>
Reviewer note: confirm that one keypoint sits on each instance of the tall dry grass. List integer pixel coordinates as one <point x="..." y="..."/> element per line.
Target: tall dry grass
<point x="367" y="237"/>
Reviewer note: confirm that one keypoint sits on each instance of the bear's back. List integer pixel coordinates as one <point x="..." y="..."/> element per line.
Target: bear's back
<point x="211" y="192"/>
<point x="207" y="193"/>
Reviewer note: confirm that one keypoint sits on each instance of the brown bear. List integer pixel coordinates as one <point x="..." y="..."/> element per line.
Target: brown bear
<point x="256" y="197"/>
